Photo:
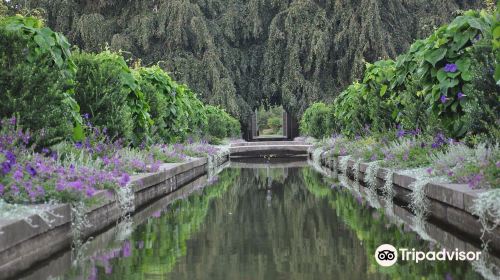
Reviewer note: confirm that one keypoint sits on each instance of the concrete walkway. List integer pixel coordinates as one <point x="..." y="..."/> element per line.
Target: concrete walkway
<point x="268" y="148"/>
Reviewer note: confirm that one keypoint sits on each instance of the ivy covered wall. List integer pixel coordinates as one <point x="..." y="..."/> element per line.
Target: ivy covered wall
<point x="236" y="53"/>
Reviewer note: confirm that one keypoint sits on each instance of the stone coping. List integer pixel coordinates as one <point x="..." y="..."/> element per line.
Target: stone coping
<point x="276" y="148"/>
<point x="263" y="143"/>
<point x="456" y="195"/>
<point x="449" y="203"/>
<point x="17" y="236"/>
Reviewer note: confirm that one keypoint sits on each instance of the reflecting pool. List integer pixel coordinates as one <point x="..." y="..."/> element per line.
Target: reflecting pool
<point x="253" y="223"/>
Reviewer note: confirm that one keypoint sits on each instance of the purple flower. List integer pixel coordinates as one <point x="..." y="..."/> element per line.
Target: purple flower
<point x="443" y="99"/>
<point x="10" y="157"/>
<point x="45" y="151"/>
<point x="78" y="145"/>
<point x="14" y="189"/>
<point x="127" y="249"/>
<point x="31" y="170"/>
<point x="60" y="186"/>
<point x="448" y="276"/>
<point x="439" y="140"/>
<point x="18" y="175"/>
<point x="406" y="156"/>
<point x="450" y="68"/>
<point x="475" y="180"/>
<point x="86" y="116"/>
<point x="125" y="178"/>
<point x="76" y="185"/>
<point x="460" y="95"/>
<point x="157" y="214"/>
<point x="6" y="167"/>
<point x="90" y="192"/>
<point x="429" y="170"/>
<point x="359" y="199"/>
<point x="400" y="133"/>
<point x="2" y="188"/>
<point x="498" y="164"/>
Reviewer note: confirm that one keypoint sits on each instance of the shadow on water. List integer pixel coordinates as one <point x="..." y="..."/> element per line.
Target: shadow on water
<point x="278" y="220"/>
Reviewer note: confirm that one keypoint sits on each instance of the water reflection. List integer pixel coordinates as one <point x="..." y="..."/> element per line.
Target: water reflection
<point x="261" y="223"/>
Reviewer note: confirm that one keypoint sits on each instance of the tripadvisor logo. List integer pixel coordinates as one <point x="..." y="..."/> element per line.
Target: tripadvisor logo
<point x="387" y="255"/>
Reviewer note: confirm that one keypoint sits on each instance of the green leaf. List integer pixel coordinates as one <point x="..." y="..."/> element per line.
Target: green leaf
<point x="459" y="40"/>
<point x="466" y="76"/>
<point x="476" y="23"/>
<point x="435" y="56"/>
<point x="496" y="32"/>
<point x="78" y="133"/>
<point x="463" y="64"/>
<point x="383" y="89"/>
<point x="441" y="75"/>
<point x="40" y="41"/>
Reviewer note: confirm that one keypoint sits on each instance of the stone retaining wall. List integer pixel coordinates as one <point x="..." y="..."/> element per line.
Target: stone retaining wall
<point x="450" y="204"/>
<point x="26" y="241"/>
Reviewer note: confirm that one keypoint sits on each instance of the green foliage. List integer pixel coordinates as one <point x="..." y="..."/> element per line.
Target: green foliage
<point x="131" y="88"/>
<point x="495" y="31"/>
<point x="314" y="122"/>
<point x="427" y="61"/>
<point x="175" y="110"/>
<point x="101" y="94"/>
<point x="379" y="100"/>
<point x="193" y="111"/>
<point x="220" y="124"/>
<point x="264" y="115"/>
<point x="440" y="83"/>
<point x="235" y="54"/>
<point x="36" y="79"/>
<point x="274" y="123"/>
<point x="350" y="110"/>
<point x="45" y="85"/>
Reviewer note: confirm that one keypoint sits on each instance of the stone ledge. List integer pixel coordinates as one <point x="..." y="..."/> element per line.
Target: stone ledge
<point x="449" y="203"/>
<point x="17" y="236"/>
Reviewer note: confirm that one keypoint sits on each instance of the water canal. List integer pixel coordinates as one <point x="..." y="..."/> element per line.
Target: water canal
<point x="274" y="222"/>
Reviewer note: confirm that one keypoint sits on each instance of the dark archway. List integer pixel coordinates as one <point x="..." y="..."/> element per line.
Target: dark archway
<point x="290" y="129"/>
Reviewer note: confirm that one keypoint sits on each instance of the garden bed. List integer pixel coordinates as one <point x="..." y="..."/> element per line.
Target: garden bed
<point x="450" y="204"/>
<point x="48" y="228"/>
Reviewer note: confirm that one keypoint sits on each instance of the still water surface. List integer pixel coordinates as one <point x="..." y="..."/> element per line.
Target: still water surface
<point x="260" y="223"/>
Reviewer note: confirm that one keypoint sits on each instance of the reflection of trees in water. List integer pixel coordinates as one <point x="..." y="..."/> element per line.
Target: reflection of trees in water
<point x="156" y="245"/>
<point x="373" y="229"/>
<point x="232" y="231"/>
<point x="296" y="236"/>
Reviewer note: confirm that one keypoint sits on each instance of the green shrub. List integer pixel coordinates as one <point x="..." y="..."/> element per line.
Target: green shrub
<point x="350" y="110"/>
<point x="274" y="123"/>
<point x="36" y="79"/>
<point x="314" y="120"/>
<point x="160" y="94"/>
<point x="442" y="64"/>
<point x="100" y="92"/>
<point x="220" y="124"/>
<point x="445" y="82"/>
<point x="380" y="100"/>
<point x="194" y="112"/>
